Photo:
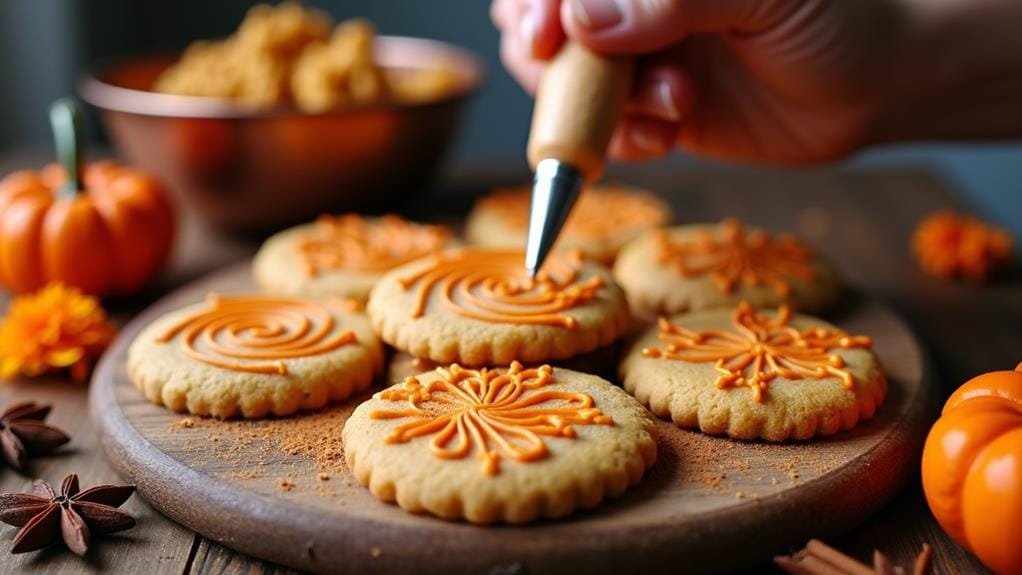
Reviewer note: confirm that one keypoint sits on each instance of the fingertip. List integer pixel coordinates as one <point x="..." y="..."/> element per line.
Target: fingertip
<point x="547" y="32"/>
<point x="664" y="91"/>
<point x="596" y="27"/>
<point x="501" y="13"/>
<point x="622" y="27"/>
<point x="522" y="68"/>
<point x="642" y="138"/>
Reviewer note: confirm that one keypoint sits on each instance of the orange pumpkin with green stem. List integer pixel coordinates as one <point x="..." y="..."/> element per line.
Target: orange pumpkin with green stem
<point x="106" y="229"/>
<point x="972" y="469"/>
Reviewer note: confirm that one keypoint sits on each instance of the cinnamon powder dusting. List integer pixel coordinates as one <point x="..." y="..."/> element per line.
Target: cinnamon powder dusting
<point x="740" y="469"/>
<point x="307" y="450"/>
<point x="276" y="450"/>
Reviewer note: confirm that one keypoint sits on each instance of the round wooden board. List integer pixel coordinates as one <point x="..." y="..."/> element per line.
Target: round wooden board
<point x="708" y="505"/>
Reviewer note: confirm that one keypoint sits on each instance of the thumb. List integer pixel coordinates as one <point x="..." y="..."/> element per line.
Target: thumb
<point x="642" y="26"/>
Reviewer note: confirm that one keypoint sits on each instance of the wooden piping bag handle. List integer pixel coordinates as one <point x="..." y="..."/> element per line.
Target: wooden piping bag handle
<point x="578" y="103"/>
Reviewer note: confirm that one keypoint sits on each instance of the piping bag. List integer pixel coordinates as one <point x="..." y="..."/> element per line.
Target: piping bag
<point x="578" y="102"/>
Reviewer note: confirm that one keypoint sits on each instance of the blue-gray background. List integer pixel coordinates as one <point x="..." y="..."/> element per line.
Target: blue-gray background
<point x="46" y="44"/>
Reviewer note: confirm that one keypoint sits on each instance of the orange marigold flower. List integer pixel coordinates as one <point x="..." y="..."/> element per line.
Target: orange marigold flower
<point x="57" y="327"/>
<point x="950" y="245"/>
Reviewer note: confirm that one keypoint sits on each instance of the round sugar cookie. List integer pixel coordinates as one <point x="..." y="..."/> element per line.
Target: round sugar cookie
<point x="477" y="306"/>
<point x="254" y="356"/>
<point x="509" y="445"/>
<point x="602" y="362"/>
<point x="750" y="374"/>
<point x="342" y="256"/>
<point x="603" y="220"/>
<point x="705" y="266"/>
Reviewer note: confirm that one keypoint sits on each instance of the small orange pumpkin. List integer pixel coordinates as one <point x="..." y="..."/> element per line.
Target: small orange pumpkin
<point x="972" y="469"/>
<point x="107" y="233"/>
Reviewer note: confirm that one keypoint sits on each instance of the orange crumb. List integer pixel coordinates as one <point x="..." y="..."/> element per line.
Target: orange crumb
<point x="950" y="245"/>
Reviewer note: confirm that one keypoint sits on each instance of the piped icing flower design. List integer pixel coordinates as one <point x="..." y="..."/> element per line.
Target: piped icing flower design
<point x="492" y="285"/>
<point x="496" y="414"/>
<point x="258" y="334"/>
<point x="760" y="349"/>
<point x="599" y="212"/>
<point x="351" y="242"/>
<point x="732" y="255"/>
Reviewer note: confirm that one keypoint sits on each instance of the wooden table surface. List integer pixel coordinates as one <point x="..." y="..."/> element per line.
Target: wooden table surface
<point x="863" y="220"/>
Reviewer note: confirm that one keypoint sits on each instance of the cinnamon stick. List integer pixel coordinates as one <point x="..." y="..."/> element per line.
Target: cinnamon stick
<point x="923" y="560"/>
<point x="818" y="558"/>
<point x="848" y="565"/>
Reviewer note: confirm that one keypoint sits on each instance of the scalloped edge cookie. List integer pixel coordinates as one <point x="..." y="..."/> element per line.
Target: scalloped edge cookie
<point x="444" y="336"/>
<point x="170" y="378"/>
<point x="578" y="473"/>
<point x="601" y="362"/>
<point x="654" y="288"/>
<point x="800" y="409"/>
<point x="487" y="224"/>
<point x="278" y="269"/>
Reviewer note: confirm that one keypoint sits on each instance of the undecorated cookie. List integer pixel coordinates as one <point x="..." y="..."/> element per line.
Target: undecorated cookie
<point x="704" y="266"/>
<point x="508" y="445"/>
<point x="478" y="306"/>
<point x="342" y="256"/>
<point x="750" y="374"/>
<point x="605" y="218"/>
<point x="252" y="356"/>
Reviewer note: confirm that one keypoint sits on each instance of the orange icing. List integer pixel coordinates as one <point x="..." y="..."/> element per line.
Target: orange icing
<point x="599" y="213"/>
<point x="255" y="334"/>
<point x="492" y="285"/>
<point x="732" y="255"/>
<point x="760" y="349"/>
<point x="948" y="245"/>
<point x="498" y="415"/>
<point x="350" y="242"/>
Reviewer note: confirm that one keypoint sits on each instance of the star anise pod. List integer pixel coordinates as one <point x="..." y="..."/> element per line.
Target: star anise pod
<point x="72" y="516"/>
<point x="22" y="433"/>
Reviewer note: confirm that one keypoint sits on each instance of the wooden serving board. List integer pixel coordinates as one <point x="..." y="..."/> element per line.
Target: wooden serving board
<point x="708" y="505"/>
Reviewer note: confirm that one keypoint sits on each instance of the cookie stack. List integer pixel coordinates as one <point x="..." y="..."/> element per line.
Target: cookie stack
<point x="495" y="409"/>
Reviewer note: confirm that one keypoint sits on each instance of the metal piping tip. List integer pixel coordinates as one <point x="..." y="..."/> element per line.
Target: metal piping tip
<point x="554" y="190"/>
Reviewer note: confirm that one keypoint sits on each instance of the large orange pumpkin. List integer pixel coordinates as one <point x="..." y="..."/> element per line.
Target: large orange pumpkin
<point x="972" y="469"/>
<point x="106" y="229"/>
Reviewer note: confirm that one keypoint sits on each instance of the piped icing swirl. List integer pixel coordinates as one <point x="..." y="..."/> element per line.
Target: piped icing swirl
<point x="731" y="255"/>
<point x="257" y="334"/>
<point x="498" y="414"/>
<point x="759" y="349"/>
<point x="351" y="242"/>
<point x="599" y="213"/>
<point x="492" y="285"/>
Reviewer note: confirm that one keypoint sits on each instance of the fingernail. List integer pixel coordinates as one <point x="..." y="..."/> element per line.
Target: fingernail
<point x="596" y="14"/>
<point x="527" y="33"/>
<point x="665" y="95"/>
<point x="645" y="140"/>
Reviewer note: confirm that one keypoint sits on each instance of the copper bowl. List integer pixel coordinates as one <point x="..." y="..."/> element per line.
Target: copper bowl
<point x="245" y="170"/>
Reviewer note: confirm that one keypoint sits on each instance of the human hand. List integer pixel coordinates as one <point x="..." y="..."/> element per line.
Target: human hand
<point x="765" y="81"/>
